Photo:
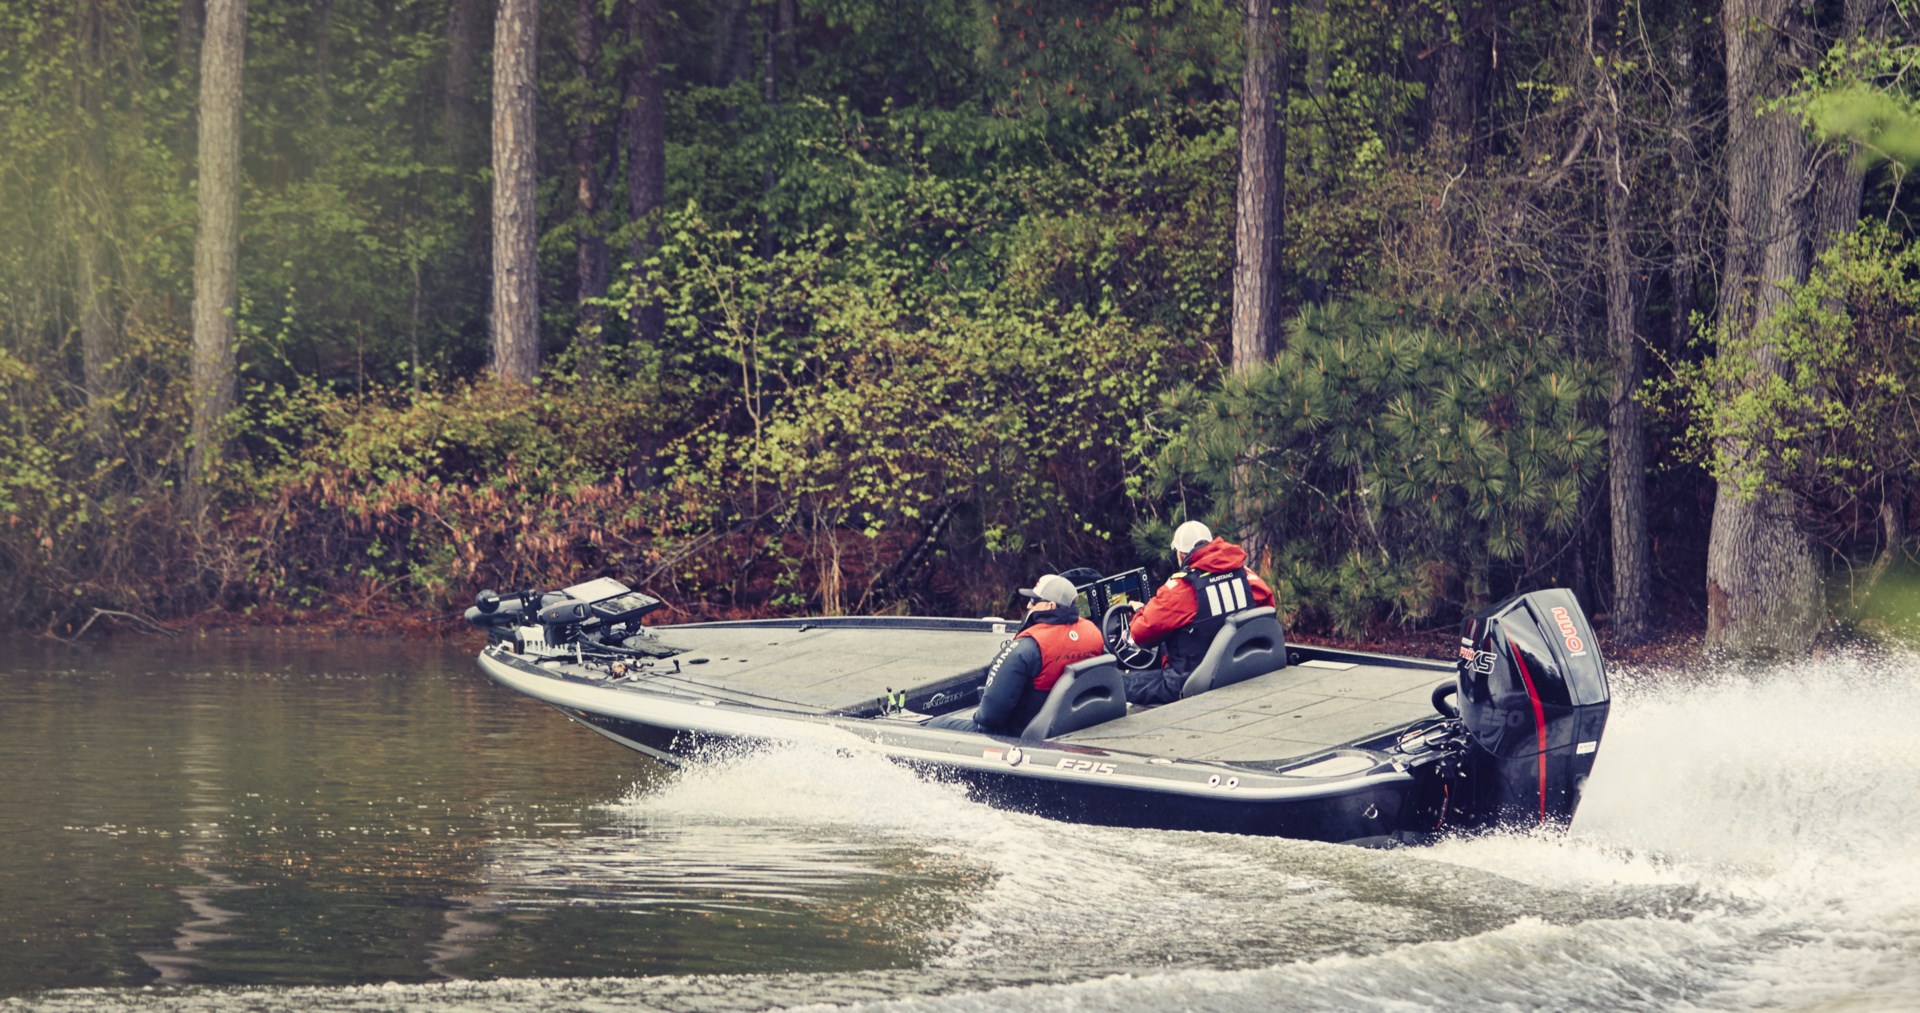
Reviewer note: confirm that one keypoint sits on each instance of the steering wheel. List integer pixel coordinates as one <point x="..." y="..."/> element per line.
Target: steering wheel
<point x="1113" y="627"/>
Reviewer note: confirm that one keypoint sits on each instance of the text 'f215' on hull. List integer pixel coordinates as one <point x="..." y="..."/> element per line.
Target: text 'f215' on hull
<point x="1271" y="738"/>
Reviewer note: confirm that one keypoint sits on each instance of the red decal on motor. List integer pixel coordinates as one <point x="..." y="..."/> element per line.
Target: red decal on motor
<point x="1539" y="725"/>
<point x="1569" y="632"/>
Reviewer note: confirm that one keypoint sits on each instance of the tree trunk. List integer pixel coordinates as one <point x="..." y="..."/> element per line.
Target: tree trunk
<point x="1317" y="38"/>
<point x="216" y="246"/>
<point x="323" y="62"/>
<point x="643" y="130"/>
<point x="1461" y="80"/>
<point x="188" y="29"/>
<point x="97" y="339"/>
<point x="96" y="333"/>
<point x="1764" y="594"/>
<point x="1259" y="221"/>
<point x="1838" y="188"/>
<point x="1684" y="204"/>
<point x="778" y="26"/>
<point x="413" y="330"/>
<point x="457" y="112"/>
<point x="590" y="245"/>
<point x="1626" y="435"/>
<point x="187" y="32"/>
<point x="1260" y="207"/>
<point x="731" y="54"/>
<point x="516" y="291"/>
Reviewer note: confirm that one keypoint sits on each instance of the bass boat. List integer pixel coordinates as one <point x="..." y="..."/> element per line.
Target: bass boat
<point x="1267" y="738"/>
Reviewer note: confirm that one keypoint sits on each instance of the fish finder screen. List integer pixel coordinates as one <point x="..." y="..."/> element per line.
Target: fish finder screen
<point x="629" y="606"/>
<point x="611" y="601"/>
<point x="1099" y="596"/>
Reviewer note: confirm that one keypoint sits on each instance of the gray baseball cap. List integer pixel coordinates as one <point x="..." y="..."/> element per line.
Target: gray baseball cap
<point x="1054" y="588"/>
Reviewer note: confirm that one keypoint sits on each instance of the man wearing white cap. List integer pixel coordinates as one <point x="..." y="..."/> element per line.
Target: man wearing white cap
<point x="1052" y="637"/>
<point x="1190" y="608"/>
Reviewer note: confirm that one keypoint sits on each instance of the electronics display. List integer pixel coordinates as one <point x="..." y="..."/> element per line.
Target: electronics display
<point x="611" y="601"/>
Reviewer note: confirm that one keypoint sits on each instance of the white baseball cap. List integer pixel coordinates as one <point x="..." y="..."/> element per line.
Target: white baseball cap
<point x="1190" y="536"/>
<point x="1054" y="588"/>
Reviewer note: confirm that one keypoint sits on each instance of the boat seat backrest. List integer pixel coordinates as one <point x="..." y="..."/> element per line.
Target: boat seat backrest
<point x="1087" y="693"/>
<point x="1250" y="642"/>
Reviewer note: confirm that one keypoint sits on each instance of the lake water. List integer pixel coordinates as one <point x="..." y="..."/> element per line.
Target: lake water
<point x="263" y="823"/>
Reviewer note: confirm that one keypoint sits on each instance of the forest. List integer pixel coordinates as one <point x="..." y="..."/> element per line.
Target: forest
<point x="353" y="308"/>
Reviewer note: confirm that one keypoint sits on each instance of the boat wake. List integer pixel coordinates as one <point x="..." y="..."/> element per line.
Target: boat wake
<point x="1746" y="841"/>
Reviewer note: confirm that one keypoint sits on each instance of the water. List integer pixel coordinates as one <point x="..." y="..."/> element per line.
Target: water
<point x="357" y="825"/>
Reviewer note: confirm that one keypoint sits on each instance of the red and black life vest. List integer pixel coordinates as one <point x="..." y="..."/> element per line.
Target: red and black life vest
<point x="1062" y="644"/>
<point x="1215" y="597"/>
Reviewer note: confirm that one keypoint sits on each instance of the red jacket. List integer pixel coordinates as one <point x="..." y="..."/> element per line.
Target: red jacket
<point x="1173" y="607"/>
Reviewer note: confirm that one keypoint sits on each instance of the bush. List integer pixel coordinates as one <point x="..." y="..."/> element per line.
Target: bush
<point x="850" y="405"/>
<point x="87" y="509"/>
<point x="406" y="499"/>
<point x="1836" y="423"/>
<point x="1401" y="462"/>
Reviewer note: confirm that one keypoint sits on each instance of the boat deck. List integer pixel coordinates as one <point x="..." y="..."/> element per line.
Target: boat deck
<point x="825" y="667"/>
<point x="1327" y="699"/>
<point x="1301" y="709"/>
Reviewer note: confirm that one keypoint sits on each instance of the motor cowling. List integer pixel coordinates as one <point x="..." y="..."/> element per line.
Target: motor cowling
<point x="1533" y="699"/>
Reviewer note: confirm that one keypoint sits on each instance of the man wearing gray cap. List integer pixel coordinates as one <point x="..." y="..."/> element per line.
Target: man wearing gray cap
<point x="1190" y="608"/>
<point x="1053" y="636"/>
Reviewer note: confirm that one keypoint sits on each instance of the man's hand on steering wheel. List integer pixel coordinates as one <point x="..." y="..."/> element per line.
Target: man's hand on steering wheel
<point x="1114" y="627"/>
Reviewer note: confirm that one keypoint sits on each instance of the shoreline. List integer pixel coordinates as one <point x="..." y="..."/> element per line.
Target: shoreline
<point x="1670" y="649"/>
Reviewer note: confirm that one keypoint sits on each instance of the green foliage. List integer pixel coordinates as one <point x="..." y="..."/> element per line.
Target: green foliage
<point x="1139" y="225"/>
<point x="86" y="508"/>
<point x="1346" y="122"/>
<point x="839" y="395"/>
<point x="1860" y="91"/>
<point x="425" y="497"/>
<point x="89" y="166"/>
<point x="932" y="268"/>
<point x="1066" y="60"/>
<point x="1403" y="462"/>
<point x="1886" y="125"/>
<point x="1820" y="400"/>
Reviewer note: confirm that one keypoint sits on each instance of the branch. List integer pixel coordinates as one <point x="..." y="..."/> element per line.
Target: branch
<point x="142" y="622"/>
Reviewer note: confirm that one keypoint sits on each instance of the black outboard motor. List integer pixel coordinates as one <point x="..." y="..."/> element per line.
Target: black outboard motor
<point x="1533" y="699"/>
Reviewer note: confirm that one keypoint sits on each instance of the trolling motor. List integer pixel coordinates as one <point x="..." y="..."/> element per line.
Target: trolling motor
<point x="603" y="613"/>
<point x="1527" y="708"/>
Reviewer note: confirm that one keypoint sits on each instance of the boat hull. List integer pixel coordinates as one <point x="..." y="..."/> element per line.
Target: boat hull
<point x="1050" y="779"/>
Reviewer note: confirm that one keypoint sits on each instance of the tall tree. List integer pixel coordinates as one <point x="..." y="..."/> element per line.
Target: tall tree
<point x="1684" y="183"/>
<point x="1260" y="207"/>
<point x="589" y="190"/>
<point x="91" y="291"/>
<point x="187" y="32"/>
<point x="216" y="245"/>
<point x="1259" y="215"/>
<point x="1763" y="580"/>
<point x="1462" y="76"/>
<point x="1839" y="185"/>
<point x="457" y="113"/>
<point x="777" y="46"/>
<point x="643" y="140"/>
<point x="1626" y="432"/>
<point x="516" y="293"/>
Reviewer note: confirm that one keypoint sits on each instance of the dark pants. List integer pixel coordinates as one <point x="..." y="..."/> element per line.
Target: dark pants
<point x="958" y="721"/>
<point x="1155" y="686"/>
